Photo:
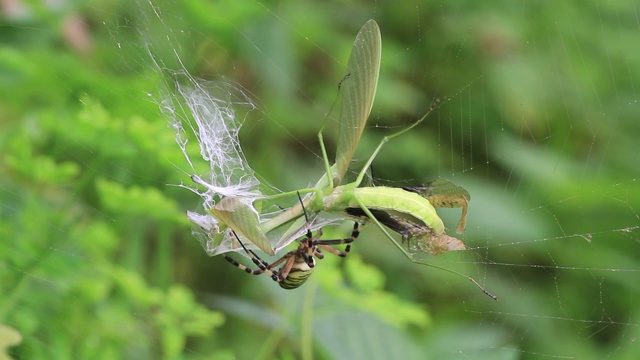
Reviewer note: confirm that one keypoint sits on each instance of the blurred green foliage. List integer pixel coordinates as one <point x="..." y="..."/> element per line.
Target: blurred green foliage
<point x="539" y="122"/>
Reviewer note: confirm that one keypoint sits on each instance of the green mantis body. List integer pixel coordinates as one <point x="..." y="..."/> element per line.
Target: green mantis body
<point x="328" y="195"/>
<point x="416" y="236"/>
<point x="408" y="210"/>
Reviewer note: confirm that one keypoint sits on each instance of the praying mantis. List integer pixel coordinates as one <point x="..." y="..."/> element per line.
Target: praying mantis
<point x="409" y="211"/>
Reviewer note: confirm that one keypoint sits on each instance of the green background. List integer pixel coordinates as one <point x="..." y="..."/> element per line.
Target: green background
<point x="539" y="122"/>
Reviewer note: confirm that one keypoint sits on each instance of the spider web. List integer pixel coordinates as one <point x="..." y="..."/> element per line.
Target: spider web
<point x="538" y="121"/>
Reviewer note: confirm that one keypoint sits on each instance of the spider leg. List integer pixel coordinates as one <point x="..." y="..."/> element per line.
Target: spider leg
<point x="286" y="268"/>
<point x="334" y="251"/>
<point x="326" y="244"/>
<point x="263" y="266"/>
<point x="242" y="267"/>
<point x="307" y="249"/>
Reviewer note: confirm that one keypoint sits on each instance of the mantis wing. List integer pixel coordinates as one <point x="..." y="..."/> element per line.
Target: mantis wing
<point x="359" y="90"/>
